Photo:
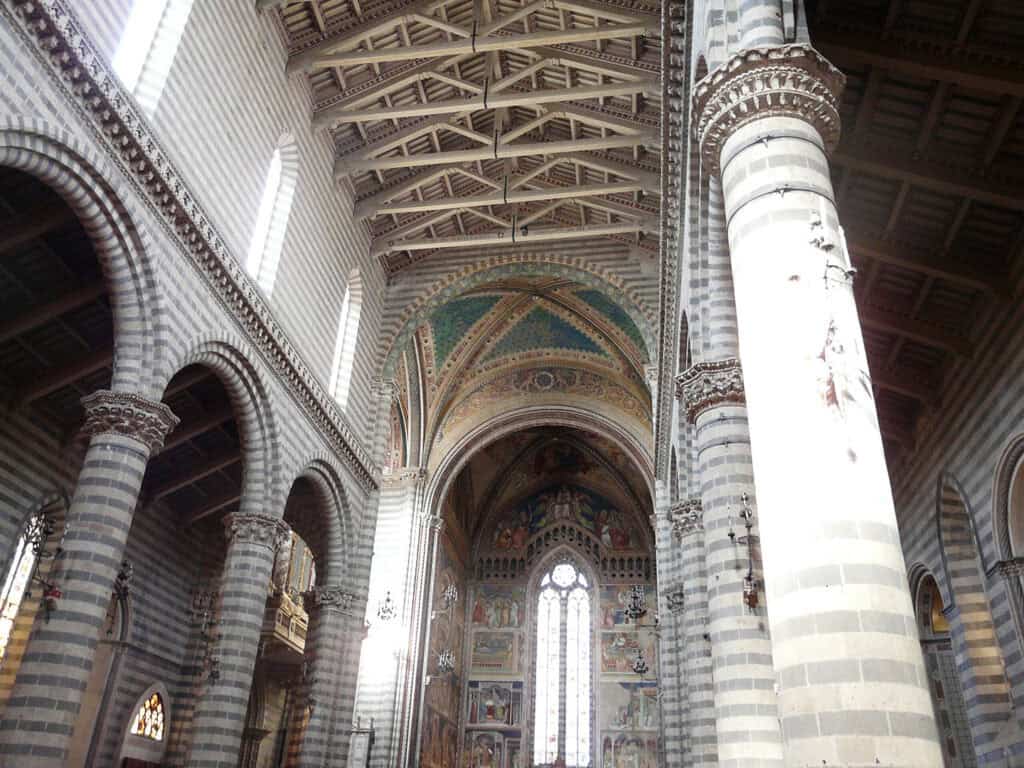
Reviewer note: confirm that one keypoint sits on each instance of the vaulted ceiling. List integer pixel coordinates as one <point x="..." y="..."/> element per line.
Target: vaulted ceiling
<point x="479" y="122"/>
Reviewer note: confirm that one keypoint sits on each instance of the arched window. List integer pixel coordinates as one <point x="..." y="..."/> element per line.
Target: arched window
<point x="563" y="666"/>
<point x="272" y="217"/>
<point x="345" y="342"/>
<point x="146" y="53"/>
<point x="149" y="719"/>
<point x="31" y="544"/>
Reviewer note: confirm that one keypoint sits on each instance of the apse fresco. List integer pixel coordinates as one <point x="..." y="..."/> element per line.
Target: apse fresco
<point x="615" y="599"/>
<point x="494" y="703"/>
<point x="493" y="749"/>
<point x="440" y="741"/>
<point x="495" y="652"/>
<point x="629" y="751"/>
<point x="619" y="649"/>
<point x="629" y="706"/>
<point x="564" y="504"/>
<point x="498" y="607"/>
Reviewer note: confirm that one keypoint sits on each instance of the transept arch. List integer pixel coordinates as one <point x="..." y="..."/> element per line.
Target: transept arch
<point x="484" y="271"/>
<point x="1008" y="501"/>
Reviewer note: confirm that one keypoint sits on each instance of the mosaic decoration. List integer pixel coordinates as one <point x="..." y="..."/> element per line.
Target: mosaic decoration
<point x="541" y="329"/>
<point x="565" y="503"/>
<point x="498" y="607"/>
<point x="450" y="322"/>
<point x="617" y="315"/>
<point x="629" y="706"/>
<point x="494" y="704"/>
<point x="495" y="652"/>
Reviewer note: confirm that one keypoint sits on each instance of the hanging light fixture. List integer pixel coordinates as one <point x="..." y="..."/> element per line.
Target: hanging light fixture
<point x="386" y="610"/>
<point x="637" y="606"/>
<point x="446" y="661"/>
<point x="450" y="595"/>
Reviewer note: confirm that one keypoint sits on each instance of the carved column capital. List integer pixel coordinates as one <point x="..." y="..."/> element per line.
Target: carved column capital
<point x="706" y="385"/>
<point x="124" y="413"/>
<point x="257" y="529"/>
<point x="786" y="81"/>
<point x="687" y="518"/>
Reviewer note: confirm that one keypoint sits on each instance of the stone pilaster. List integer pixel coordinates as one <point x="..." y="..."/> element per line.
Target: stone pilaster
<point x="746" y="715"/>
<point x="688" y="530"/>
<point x="124" y="431"/>
<point x="219" y="722"/>
<point x="332" y="656"/>
<point x="852" y="685"/>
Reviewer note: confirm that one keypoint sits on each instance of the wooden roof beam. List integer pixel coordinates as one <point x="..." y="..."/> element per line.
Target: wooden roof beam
<point x="502" y="198"/>
<point x="914" y="387"/>
<point x="856" y="50"/>
<point x="930" y="335"/>
<point x="345" y="166"/>
<point x="52" y="380"/>
<point x="482" y="44"/>
<point x="492" y="100"/>
<point x="214" y="505"/>
<point x="894" y="162"/>
<point x="20" y="228"/>
<point x="43" y="313"/>
<point x="932" y="263"/>
<point x="186" y="431"/>
<point x="533" y="235"/>
<point x="196" y="473"/>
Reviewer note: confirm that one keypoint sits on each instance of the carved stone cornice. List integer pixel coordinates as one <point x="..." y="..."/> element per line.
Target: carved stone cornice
<point x="675" y="121"/>
<point x="86" y="82"/>
<point x="706" y="385"/>
<point x="687" y="518"/>
<point x="256" y="529"/>
<point x="789" y="80"/>
<point x="405" y="476"/>
<point x="123" y="413"/>
<point x="1010" y="568"/>
<point x="330" y="599"/>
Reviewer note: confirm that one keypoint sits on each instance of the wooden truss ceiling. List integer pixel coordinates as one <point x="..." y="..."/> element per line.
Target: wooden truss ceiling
<point x="468" y="123"/>
<point x="928" y="177"/>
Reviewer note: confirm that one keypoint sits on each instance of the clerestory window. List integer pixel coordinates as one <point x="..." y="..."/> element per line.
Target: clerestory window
<point x="563" y="663"/>
<point x="268" y="232"/>
<point x="148" y="45"/>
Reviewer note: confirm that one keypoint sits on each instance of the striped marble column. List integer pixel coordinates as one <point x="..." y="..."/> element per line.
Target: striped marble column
<point x="746" y="714"/>
<point x="220" y="712"/>
<point x="852" y="684"/>
<point x="124" y="431"/>
<point x="688" y="529"/>
<point x="332" y="639"/>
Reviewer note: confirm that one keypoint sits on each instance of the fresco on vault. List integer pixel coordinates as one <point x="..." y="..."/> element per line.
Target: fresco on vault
<point x="541" y="329"/>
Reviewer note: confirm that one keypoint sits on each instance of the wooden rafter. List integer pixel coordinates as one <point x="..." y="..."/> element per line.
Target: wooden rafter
<point x="533" y="235"/>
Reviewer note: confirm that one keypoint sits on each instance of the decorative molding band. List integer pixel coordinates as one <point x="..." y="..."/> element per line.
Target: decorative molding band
<point x="675" y="121"/>
<point x="256" y="529"/>
<point x="127" y="414"/>
<point x="85" y="81"/>
<point x="790" y="80"/>
<point x="687" y="517"/>
<point x="1010" y="568"/>
<point x="706" y="385"/>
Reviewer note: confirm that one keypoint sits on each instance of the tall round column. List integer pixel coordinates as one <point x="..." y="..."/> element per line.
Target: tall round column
<point x="688" y="529"/>
<point x="333" y="636"/>
<point x="852" y="684"/>
<point x="746" y="714"/>
<point x="124" y="431"/>
<point x="220" y="712"/>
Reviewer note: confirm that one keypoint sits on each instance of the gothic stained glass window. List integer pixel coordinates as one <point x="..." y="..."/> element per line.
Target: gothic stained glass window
<point x="149" y="720"/>
<point x="563" y="663"/>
